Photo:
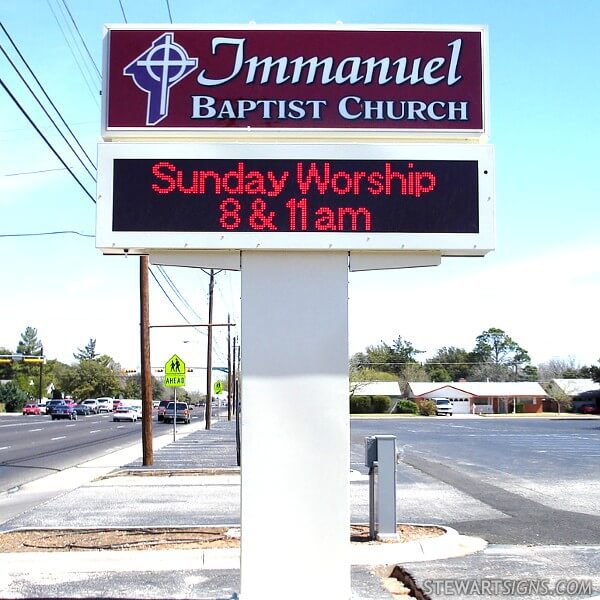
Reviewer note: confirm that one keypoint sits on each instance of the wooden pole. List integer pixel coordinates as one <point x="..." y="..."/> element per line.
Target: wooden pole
<point x="211" y="286"/>
<point x="146" y="375"/>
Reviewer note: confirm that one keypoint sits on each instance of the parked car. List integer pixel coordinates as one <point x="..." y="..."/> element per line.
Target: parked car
<point x="162" y="406"/>
<point x="92" y="404"/>
<point x="105" y="404"/>
<point x="587" y="409"/>
<point x="182" y="413"/>
<point x="42" y="407"/>
<point x="65" y="411"/>
<point x="82" y="409"/>
<point x="125" y="413"/>
<point x="31" y="409"/>
<point x="443" y="406"/>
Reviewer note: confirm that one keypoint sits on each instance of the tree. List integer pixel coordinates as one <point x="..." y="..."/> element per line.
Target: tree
<point x="384" y="357"/>
<point x="132" y="387"/>
<point x="359" y="378"/>
<point x="12" y="397"/>
<point x="450" y="364"/>
<point x="6" y="370"/>
<point x="595" y="373"/>
<point x="498" y="348"/>
<point x="562" y="368"/>
<point x="29" y="343"/>
<point x="90" y="379"/>
<point x="88" y="353"/>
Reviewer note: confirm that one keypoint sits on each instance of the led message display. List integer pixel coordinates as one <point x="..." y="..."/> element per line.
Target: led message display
<point x="179" y="78"/>
<point x="295" y="196"/>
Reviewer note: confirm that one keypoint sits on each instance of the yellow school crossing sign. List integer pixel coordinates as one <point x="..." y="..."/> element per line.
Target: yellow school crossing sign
<point x="174" y="372"/>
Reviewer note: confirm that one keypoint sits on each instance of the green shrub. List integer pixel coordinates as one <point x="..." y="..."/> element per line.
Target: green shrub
<point x="360" y="404"/>
<point x="380" y="404"/>
<point x="12" y="396"/>
<point x="407" y="407"/>
<point x="427" y="408"/>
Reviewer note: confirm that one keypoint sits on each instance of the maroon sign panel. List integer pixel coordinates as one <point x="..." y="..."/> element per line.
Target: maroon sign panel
<point x="191" y="79"/>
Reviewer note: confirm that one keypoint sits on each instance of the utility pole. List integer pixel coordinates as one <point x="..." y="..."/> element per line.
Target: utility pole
<point x="237" y="411"/>
<point x="146" y="376"/>
<point x="41" y="371"/>
<point x="229" y="396"/>
<point x="211" y="286"/>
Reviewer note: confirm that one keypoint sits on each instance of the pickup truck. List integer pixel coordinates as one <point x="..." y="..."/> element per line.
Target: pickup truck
<point x="443" y="406"/>
<point x="182" y="414"/>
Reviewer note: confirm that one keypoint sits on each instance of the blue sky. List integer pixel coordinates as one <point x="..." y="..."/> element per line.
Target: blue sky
<point x="541" y="284"/>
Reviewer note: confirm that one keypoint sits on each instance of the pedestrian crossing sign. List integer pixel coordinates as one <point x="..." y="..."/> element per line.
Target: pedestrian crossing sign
<point x="174" y="372"/>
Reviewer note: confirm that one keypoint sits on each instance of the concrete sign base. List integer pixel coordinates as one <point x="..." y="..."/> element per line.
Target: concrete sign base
<point x="295" y="426"/>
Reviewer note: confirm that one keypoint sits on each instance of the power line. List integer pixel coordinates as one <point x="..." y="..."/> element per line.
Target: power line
<point x="81" y="38"/>
<point x="123" y="11"/>
<point x="89" y="235"/>
<point x="12" y="97"/>
<point x="14" y="45"/>
<point x="46" y="112"/>
<point x="177" y="292"/>
<point x="33" y="172"/>
<point x="171" y="301"/>
<point x="94" y="93"/>
<point x="169" y="10"/>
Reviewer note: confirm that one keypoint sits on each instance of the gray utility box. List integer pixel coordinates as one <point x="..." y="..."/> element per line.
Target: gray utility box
<point x="370" y="451"/>
<point x="380" y="457"/>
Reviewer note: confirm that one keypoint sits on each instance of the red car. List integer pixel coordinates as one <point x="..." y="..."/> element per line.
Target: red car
<point x="31" y="409"/>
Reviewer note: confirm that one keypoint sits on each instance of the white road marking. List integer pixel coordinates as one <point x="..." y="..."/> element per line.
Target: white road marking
<point x="40" y="429"/>
<point x="95" y="430"/>
<point x="60" y="437"/>
<point x="4" y="447"/>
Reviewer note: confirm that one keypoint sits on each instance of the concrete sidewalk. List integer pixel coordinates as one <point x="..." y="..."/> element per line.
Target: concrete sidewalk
<point x="194" y="481"/>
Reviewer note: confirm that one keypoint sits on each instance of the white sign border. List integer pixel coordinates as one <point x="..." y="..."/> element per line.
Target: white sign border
<point x="450" y="244"/>
<point x="267" y="133"/>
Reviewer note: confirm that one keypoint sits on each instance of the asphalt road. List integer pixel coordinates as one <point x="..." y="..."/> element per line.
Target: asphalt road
<point x="35" y="446"/>
<point x="537" y="474"/>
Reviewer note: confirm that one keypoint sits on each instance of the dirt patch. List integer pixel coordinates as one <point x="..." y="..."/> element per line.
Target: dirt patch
<point x="65" y="540"/>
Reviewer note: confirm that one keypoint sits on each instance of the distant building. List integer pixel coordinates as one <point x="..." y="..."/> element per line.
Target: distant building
<point x="477" y="397"/>
<point x="580" y="391"/>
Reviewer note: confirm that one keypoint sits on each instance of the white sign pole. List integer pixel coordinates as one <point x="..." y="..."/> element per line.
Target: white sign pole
<point x="174" y="413"/>
<point x="295" y="514"/>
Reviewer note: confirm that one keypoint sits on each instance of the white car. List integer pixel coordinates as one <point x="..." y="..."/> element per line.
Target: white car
<point x="125" y="413"/>
<point x="92" y="404"/>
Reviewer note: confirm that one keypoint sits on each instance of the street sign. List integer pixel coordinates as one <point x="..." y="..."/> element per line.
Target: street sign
<point x="218" y="387"/>
<point x="174" y="372"/>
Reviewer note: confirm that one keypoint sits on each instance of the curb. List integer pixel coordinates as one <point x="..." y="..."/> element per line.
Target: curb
<point x="449" y="545"/>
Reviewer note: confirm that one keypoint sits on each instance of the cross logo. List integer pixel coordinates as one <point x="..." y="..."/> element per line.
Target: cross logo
<point x="157" y="70"/>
